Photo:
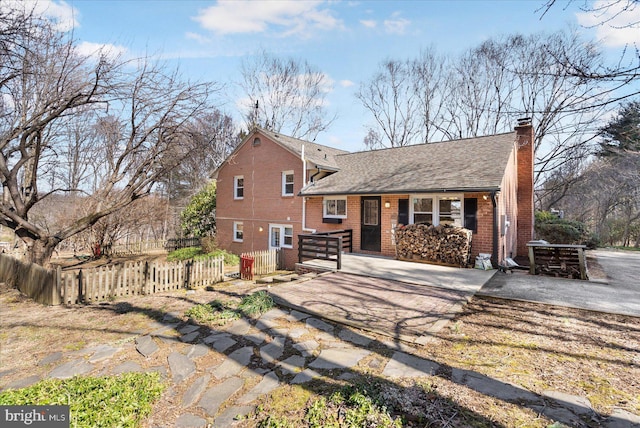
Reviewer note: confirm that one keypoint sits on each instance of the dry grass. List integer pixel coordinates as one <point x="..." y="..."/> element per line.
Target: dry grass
<point x="537" y="347"/>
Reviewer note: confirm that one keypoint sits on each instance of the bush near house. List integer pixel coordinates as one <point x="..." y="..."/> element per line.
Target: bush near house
<point x="557" y="230"/>
<point x="197" y="253"/>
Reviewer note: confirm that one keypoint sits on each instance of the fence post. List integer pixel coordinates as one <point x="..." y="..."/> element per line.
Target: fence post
<point x="80" y="293"/>
<point x="339" y="252"/>
<point x="56" y="293"/>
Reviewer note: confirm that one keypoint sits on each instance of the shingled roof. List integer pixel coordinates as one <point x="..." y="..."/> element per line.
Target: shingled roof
<point x="472" y="164"/>
<point x="315" y="154"/>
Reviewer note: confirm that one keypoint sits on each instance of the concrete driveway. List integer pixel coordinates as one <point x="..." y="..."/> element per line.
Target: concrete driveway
<point x="618" y="294"/>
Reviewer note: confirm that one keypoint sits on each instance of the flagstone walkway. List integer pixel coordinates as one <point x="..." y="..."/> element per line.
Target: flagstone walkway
<point x="216" y="375"/>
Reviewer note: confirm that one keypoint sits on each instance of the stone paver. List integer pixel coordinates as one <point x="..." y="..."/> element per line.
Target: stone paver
<point x="196" y="389"/>
<point x="293" y="364"/>
<point x="189" y="337"/>
<point x="103" y="352"/>
<point x="354" y="337"/>
<point x="405" y="365"/>
<point x="339" y="358"/>
<point x="239" y="327"/>
<point x="51" y="358"/>
<point x="272" y="351"/>
<point x="268" y="383"/>
<point x="190" y="421"/>
<point x="307" y="347"/>
<point x="146" y="346"/>
<point x="126" y="367"/>
<point x="223" y="344"/>
<point x="229" y="417"/>
<point x="214" y="397"/>
<point x="24" y="382"/>
<point x="199" y="350"/>
<point x="320" y="325"/>
<point x="71" y="369"/>
<point x="189" y="328"/>
<point x="235" y="363"/>
<point x="305" y="376"/>
<point x="181" y="366"/>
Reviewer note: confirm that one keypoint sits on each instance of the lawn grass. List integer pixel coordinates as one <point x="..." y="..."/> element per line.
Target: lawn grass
<point x="109" y="401"/>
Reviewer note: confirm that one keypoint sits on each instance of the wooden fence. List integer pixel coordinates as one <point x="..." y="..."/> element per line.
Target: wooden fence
<point x="31" y="279"/>
<point x="176" y="243"/>
<point x="54" y="287"/>
<point x="264" y="262"/>
<point x="130" y="248"/>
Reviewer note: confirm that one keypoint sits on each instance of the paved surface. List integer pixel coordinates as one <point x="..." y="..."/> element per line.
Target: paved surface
<point x="618" y="294"/>
<point x="217" y="375"/>
<point x="451" y="278"/>
<point x="409" y="312"/>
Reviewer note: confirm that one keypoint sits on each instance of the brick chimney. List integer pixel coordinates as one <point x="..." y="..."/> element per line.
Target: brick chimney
<point x="524" y="136"/>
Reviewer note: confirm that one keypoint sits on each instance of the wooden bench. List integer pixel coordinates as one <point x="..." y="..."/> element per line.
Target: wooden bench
<point x="560" y="260"/>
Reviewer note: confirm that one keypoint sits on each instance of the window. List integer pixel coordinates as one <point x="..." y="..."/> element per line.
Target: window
<point x="335" y="208"/>
<point x="423" y="210"/>
<point x="450" y="210"/>
<point x="287" y="183"/>
<point x="280" y="236"/>
<point x="437" y="209"/>
<point x="238" y="187"/>
<point x="237" y="231"/>
<point x="370" y="213"/>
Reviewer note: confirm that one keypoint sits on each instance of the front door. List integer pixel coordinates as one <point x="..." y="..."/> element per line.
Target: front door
<point x="370" y="223"/>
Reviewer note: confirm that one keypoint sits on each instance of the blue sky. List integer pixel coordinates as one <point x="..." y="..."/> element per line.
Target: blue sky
<point x="346" y="40"/>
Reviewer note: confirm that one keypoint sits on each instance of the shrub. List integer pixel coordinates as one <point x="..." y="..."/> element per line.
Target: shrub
<point x="560" y="231"/>
<point x="184" y="254"/>
<point x="108" y="401"/>
<point x="256" y="303"/>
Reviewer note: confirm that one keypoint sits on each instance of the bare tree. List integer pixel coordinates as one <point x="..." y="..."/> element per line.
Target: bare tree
<point x="391" y="99"/>
<point x="286" y="95"/>
<point x="140" y="112"/>
<point x="484" y="91"/>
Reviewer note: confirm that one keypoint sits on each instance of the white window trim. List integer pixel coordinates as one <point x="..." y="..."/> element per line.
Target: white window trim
<point x="235" y="187"/>
<point x="282" y="228"/>
<point x="284" y="183"/>
<point x="436" y="205"/>
<point x="334" y="198"/>
<point x="235" y="230"/>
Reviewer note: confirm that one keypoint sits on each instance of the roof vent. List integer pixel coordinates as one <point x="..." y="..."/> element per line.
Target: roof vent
<point x="256" y="141"/>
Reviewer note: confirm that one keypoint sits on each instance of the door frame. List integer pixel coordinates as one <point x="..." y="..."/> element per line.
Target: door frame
<point x="371" y="231"/>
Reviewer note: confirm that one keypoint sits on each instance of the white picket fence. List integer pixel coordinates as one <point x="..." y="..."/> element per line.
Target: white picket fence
<point x="264" y="262"/>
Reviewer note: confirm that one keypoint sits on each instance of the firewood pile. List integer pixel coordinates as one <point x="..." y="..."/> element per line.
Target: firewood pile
<point x="444" y="244"/>
<point x="560" y="261"/>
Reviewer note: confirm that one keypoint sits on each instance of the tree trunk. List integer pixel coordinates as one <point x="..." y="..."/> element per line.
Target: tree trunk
<point x="39" y="251"/>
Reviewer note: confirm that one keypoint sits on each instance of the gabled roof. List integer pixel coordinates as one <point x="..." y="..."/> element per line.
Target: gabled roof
<point x="315" y="154"/>
<point x="472" y="164"/>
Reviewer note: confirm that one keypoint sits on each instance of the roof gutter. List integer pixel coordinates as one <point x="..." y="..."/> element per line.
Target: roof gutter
<point x="406" y="191"/>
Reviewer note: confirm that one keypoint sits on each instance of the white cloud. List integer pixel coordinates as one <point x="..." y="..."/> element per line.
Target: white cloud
<point x="60" y="13"/>
<point x="289" y="16"/>
<point x="197" y="37"/>
<point x="369" y="23"/>
<point x="616" y="23"/>
<point x="396" y="24"/>
<point x="96" y="49"/>
<point x="346" y="83"/>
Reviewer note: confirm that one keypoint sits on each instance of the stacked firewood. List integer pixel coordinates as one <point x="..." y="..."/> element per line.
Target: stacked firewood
<point x="444" y="244"/>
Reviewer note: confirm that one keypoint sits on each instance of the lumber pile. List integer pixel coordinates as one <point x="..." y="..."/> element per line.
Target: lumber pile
<point x="445" y="244"/>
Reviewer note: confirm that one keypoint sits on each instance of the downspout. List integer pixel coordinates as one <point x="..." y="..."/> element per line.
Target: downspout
<point x="304" y="198"/>
<point x="494" y="255"/>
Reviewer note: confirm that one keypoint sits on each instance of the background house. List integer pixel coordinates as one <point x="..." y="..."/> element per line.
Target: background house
<point x="274" y="187"/>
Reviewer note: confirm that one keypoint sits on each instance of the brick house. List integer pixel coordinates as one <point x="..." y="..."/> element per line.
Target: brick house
<point x="273" y="188"/>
